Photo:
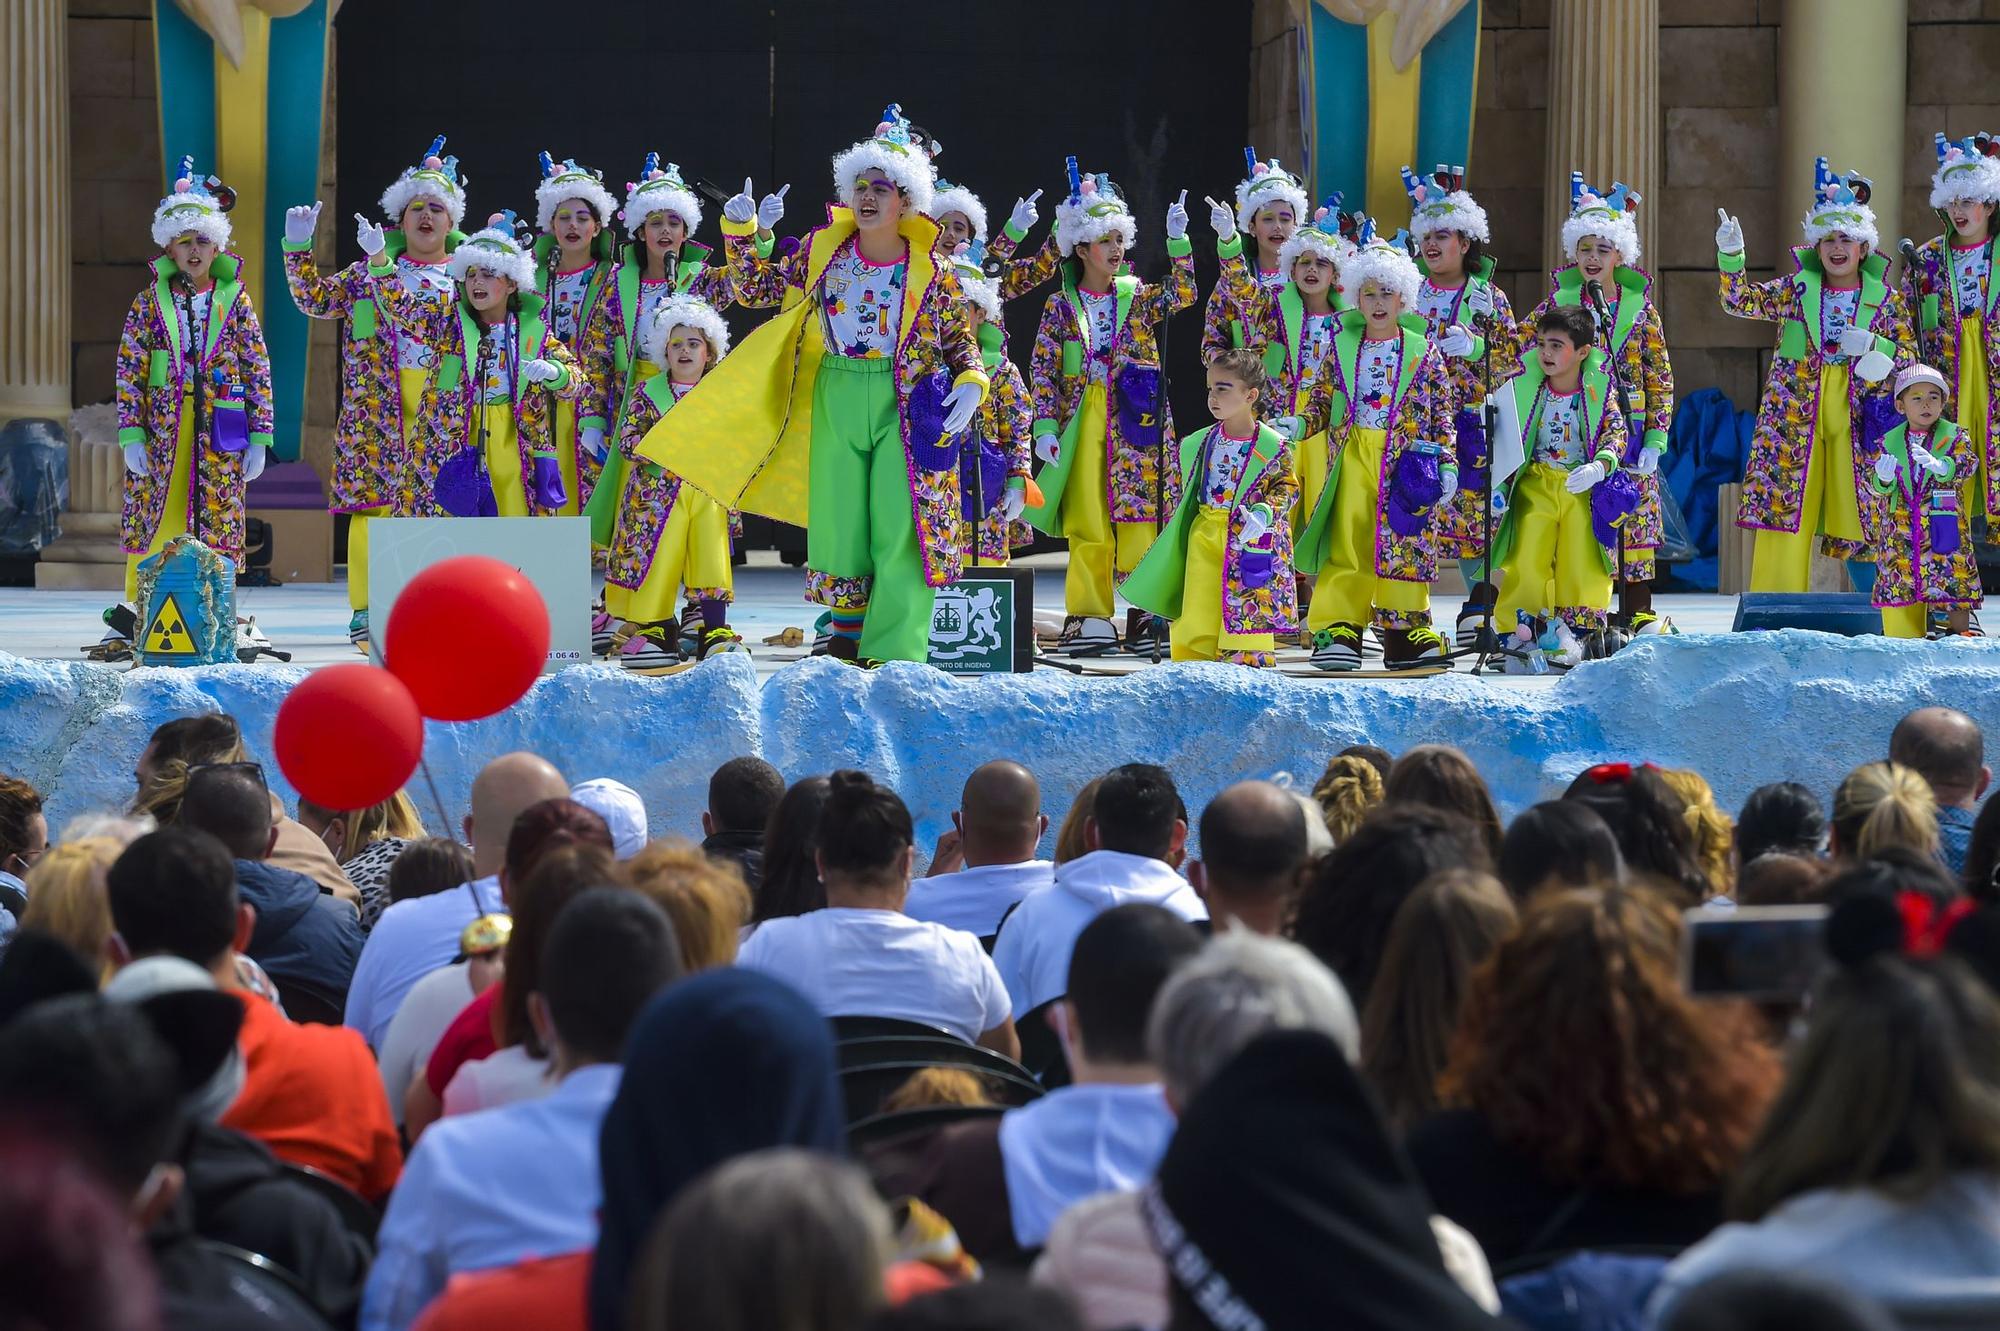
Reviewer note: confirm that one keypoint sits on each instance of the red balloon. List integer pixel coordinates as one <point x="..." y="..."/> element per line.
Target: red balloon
<point x="348" y="736"/>
<point x="468" y="635"/>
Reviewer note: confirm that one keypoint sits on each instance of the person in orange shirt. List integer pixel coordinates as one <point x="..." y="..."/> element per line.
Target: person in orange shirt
<point x="310" y="1093"/>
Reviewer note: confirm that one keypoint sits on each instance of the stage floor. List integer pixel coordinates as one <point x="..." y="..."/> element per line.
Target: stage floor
<point x="309" y="620"/>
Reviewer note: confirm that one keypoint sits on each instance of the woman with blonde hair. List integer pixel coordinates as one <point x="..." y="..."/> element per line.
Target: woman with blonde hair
<point x="365" y="843"/>
<point x="1713" y="831"/>
<point x="705" y="898"/>
<point x="66" y="895"/>
<point x="1881" y="805"/>
<point x="1069" y="837"/>
<point x="1346" y="792"/>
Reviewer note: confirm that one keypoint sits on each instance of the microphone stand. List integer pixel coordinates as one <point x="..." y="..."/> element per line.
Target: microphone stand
<point x="1155" y="626"/>
<point x="1594" y="295"/>
<point x="1486" y="645"/>
<point x="195" y="370"/>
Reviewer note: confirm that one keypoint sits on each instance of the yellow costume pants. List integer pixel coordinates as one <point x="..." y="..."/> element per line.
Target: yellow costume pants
<point x="1348" y="587"/>
<point x="565" y="436"/>
<point x="1099" y="549"/>
<point x="410" y="386"/>
<point x="503" y="459"/>
<point x="1556" y="563"/>
<point x="1309" y="465"/>
<point x="1905" y="621"/>
<point x="1782" y="561"/>
<point x="1198" y="634"/>
<point x="1972" y="407"/>
<point x="174" y="517"/>
<point x="693" y="552"/>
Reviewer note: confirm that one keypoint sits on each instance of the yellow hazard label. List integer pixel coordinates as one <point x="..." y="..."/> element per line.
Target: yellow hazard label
<point x="168" y="634"/>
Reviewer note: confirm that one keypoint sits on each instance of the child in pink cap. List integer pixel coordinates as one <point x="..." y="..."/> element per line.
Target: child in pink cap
<point x="1923" y="545"/>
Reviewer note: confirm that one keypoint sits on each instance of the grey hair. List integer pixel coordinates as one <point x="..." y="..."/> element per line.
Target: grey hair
<point x="120" y="827"/>
<point x="1239" y="986"/>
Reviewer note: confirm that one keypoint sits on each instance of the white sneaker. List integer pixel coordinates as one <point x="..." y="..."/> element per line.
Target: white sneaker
<point x="1337" y="648"/>
<point x="1093" y="637"/>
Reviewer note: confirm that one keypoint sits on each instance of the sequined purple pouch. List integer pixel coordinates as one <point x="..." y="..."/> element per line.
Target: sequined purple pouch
<point x="1612" y="500"/>
<point x="982" y="479"/>
<point x="924" y="412"/>
<point x="1256" y="568"/>
<point x="463" y="489"/>
<point x="1140" y="405"/>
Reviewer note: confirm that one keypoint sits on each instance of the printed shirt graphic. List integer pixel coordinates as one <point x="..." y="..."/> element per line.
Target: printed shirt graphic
<point x="864" y="304"/>
<point x="1315" y="340"/>
<point x="1100" y="319"/>
<point x="431" y="282"/>
<point x="1272" y="279"/>
<point x="196" y="337"/>
<point x="1836" y="315"/>
<point x="498" y="383"/>
<point x="1375" y="372"/>
<point x="1440" y="307"/>
<point x="1559" y="436"/>
<point x="651" y="292"/>
<point x="1228" y="458"/>
<point x="566" y="296"/>
<point x="1971" y="269"/>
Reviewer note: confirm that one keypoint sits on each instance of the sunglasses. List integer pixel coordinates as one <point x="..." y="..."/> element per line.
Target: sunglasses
<point x="247" y="768"/>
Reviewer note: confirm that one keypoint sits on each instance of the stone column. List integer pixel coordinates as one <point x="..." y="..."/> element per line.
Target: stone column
<point x="1842" y="73"/>
<point x="1604" y="107"/>
<point x="34" y="235"/>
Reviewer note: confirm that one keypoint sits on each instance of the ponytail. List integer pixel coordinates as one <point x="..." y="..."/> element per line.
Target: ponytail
<point x="1881" y="805"/>
<point x="1346" y="792"/>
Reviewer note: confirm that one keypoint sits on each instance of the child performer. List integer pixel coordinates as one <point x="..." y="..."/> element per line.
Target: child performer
<point x="1562" y="418"/>
<point x="1097" y="383"/>
<point x="995" y="469"/>
<point x="1923" y="551"/>
<point x="1601" y="239"/>
<point x="1222" y="571"/>
<point x="575" y="263"/>
<point x="1385" y="400"/>
<point x="1467" y="317"/>
<point x="1843" y="331"/>
<point x="1957" y="308"/>
<point x="1270" y="206"/>
<point x="194" y="387"/>
<point x="384" y="368"/>
<point x="669" y="534"/>
<point x="485" y="443"/>
<point x="842" y="411"/>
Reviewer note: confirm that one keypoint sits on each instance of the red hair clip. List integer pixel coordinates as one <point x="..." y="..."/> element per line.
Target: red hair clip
<point x="1610" y="774"/>
<point x="1925" y="925"/>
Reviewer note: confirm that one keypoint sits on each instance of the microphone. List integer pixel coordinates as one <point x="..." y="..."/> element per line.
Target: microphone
<point x="1908" y="250"/>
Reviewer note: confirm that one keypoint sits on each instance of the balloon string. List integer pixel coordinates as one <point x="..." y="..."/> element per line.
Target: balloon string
<point x="423" y="757"/>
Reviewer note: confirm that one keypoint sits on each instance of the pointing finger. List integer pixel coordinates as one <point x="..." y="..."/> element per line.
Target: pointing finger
<point x="782" y="189"/>
<point x="1182" y="201"/>
<point x="746" y="184"/>
<point x="1035" y="196"/>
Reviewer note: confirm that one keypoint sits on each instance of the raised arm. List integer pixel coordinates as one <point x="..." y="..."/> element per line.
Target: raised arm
<point x="317" y="297"/>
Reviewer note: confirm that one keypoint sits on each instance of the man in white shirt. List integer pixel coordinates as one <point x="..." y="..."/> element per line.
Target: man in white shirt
<point x="492" y="1188"/>
<point x="861" y="956"/>
<point x="1253" y="844"/>
<point x="1137" y="824"/>
<point x="415" y="937"/>
<point x="987" y="863"/>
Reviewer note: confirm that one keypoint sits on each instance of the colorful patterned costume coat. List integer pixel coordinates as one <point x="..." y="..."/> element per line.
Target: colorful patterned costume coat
<point x="592" y="352"/>
<point x="1006" y="418"/>
<point x="648" y="500"/>
<point x="1909" y="569"/>
<point x="1464" y="525"/>
<point x="1269" y="320"/>
<point x="155" y="369"/>
<point x="1938" y="337"/>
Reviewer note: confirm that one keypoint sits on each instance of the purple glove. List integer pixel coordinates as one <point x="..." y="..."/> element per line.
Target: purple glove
<point x="548" y="489"/>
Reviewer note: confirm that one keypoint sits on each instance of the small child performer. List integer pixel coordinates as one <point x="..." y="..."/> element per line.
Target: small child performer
<point x="995" y="464"/>
<point x="1957" y="308"/>
<point x="1923" y="550"/>
<point x="1270" y="207"/>
<point x="576" y="260"/>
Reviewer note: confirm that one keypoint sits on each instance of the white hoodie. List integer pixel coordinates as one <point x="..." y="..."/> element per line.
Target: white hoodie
<point x="1033" y="950"/>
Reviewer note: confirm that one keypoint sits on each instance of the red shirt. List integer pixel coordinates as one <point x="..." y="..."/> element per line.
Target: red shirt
<point x="547" y="1293"/>
<point x="468" y="1039"/>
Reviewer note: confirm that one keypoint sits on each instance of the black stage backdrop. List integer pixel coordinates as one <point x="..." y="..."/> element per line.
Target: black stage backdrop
<point x="1155" y="92"/>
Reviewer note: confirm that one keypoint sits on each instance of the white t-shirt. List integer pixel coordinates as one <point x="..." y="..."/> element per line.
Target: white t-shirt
<point x="1228" y="459"/>
<point x="1440" y="306"/>
<point x="1559" y="437"/>
<point x="1315" y="340"/>
<point x="567" y="292"/>
<point x="1837" y="310"/>
<point x="1972" y="267"/>
<point x="502" y="1078"/>
<point x="1100" y="323"/>
<point x="1376" y="369"/>
<point x="882" y="963"/>
<point x="976" y="899"/>
<point x="864" y="304"/>
<point x="502" y="350"/>
<point x="433" y="283"/>
<point x="426" y="1013"/>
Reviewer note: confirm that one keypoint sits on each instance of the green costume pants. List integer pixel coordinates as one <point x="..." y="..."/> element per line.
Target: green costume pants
<point x="860" y="524"/>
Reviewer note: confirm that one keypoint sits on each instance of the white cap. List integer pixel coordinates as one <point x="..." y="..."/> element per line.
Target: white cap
<point x="1920" y="374"/>
<point x="621" y="809"/>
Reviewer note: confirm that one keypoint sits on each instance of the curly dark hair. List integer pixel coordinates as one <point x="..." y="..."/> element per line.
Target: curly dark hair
<point x="1579" y="1049"/>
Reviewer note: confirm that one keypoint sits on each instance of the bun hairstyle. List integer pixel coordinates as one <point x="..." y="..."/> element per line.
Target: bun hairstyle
<point x="1247" y="365"/>
<point x="1347" y="791"/>
<point x="1882" y="805"/>
<point x="865" y="828"/>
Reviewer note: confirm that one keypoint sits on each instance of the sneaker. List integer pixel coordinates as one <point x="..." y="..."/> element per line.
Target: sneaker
<point x="1648" y="622"/>
<point x="691" y="631"/>
<point x="1142" y="627"/>
<point x="357" y="628"/>
<point x="251" y="642"/>
<point x="1471" y="622"/>
<point x="843" y="648"/>
<point x="1092" y="636"/>
<point x="822" y="634"/>
<point x="603" y="631"/>
<point x="718" y="642"/>
<point x="1407" y="649"/>
<point x="654" y="647"/>
<point x="1337" y="648"/>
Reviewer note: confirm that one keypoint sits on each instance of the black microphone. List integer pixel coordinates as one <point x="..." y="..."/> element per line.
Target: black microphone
<point x="1907" y="248"/>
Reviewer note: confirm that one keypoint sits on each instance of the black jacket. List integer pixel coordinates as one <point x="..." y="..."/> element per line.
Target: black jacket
<point x="743" y="849"/>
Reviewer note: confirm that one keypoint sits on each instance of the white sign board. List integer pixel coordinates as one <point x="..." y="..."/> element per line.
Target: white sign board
<point x="554" y="553"/>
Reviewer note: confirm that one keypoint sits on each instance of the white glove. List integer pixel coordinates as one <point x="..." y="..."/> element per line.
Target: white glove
<point x="1177" y="218"/>
<point x="1479" y="298"/>
<point x="1885" y="469"/>
<point x="1857" y="342"/>
<point x="300" y="222"/>
<point x="1222" y="218"/>
<point x="741" y="208"/>
<point x="1928" y="460"/>
<point x="1256" y="524"/>
<point x="592" y="440"/>
<point x="1448" y="476"/>
<point x="1584" y="477"/>
<point x="959" y="404"/>
<point x="1873" y="368"/>
<point x="1025" y="214"/>
<point x="540" y="372"/>
<point x="1648" y="463"/>
<point x="1729" y="234"/>
<point x="771" y="209"/>
<point x="135" y="459"/>
<point x="1456" y="342"/>
<point x="1013" y="503"/>
<point x="368" y="236"/>
<point x="1290" y="426"/>
<point x="1048" y="448"/>
<point x="254" y="459"/>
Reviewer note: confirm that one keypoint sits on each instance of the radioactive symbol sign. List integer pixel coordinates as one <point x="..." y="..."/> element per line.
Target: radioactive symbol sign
<point x="168" y="634"/>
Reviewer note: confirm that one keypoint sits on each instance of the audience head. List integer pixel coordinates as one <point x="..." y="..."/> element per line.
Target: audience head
<point x="1352" y="895"/>
<point x="173" y="893"/>
<point x="1779" y="879"/>
<point x="1374" y="755"/>
<point x="1238" y="987"/>
<point x="231" y="803"/>
<point x="779" y="1240"/>
<point x="1579" y="1048"/>
<point x="1253" y="847"/>
<point x="1651" y="826"/>
<point x="742" y="795"/>
<point x="543" y="828"/>
<point x="560" y="876"/>
<point x="623" y="812"/>
<point x="1558" y="843"/>
<point x="1348" y="792"/>
<point x="763" y="1075"/>
<point x="1444" y="778"/>
<point x="791" y="884"/>
<point x="24" y="830"/>
<point x="994" y="1303"/>
<point x="1119" y="963"/>
<point x="999" y="816"/>
<point x="1982" y="855"/>
<point x="1714" y="835"/>
<point x="867" y="843"/>
<point x="198" y="1023"/>
<point x="67" y="895"/>
<point x="1763" y="1299"/>
<point x="1945" y="747"/>
<point x="349" y="832"/>
<point x="428" y="866"/>
<point x="68" y="1255"/>
<point x="36" y="967"/>
<point x="1138" y="811"/>
<point x="1444" y="930"/>
<point x="1784" y="817"/>
<point x="189" y="741"/>
<point x="705" y="899"/>
<point x="504" y="789"/>
<point x="1072" y="842"/>
<point x="1881" y="805"/>
<point x="608" y="953"/>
